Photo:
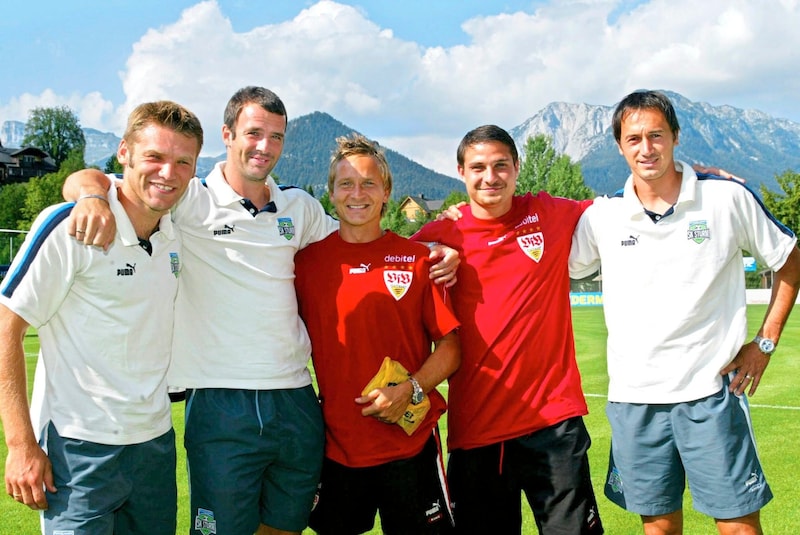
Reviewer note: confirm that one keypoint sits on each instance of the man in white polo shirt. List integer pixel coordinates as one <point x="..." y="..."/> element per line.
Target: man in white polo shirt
<point x="671" y="247"/>
<point x="105" y="457"/>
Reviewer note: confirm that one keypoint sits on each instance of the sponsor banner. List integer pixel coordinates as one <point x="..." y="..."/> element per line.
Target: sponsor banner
<point x="586" y="299"/>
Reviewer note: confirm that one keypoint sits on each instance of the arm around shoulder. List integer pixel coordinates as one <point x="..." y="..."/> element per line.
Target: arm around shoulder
<point x="85" y="182"/>
<point x="91" y="221"/>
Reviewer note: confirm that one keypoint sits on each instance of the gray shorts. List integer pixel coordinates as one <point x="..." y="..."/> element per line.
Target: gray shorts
<point x="102" y="489"/>
<point x="709" y="442"/>
<point x="253" y="456"/>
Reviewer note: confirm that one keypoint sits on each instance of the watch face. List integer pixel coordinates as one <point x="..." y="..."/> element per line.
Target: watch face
<point x="417" y="395"/>
<point x="766" y="345"/>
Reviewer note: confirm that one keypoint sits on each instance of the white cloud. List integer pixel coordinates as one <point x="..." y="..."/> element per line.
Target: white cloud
<point x="330" y="57"/>
<point x="92" y="109"/>
<point x="434" y="152"/>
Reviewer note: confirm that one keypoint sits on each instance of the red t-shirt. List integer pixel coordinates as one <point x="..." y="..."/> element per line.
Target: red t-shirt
<point x="361" y="303"/>
<point x="518" y="372"/>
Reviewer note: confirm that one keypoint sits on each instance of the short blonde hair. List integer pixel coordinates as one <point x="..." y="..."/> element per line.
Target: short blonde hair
<point x="163" y="113"/>
<point x="358" y="145"/>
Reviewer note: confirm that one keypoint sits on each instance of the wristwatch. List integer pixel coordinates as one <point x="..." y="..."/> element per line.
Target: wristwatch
<point x="766" y="345"/>
<point x="418" y="395"/>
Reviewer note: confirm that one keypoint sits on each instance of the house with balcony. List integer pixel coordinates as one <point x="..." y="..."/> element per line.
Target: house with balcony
<point x="20" y="165"/>
<point x="415" y="205"/>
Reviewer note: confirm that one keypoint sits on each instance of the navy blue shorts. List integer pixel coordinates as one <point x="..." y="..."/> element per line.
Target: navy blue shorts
<point x="550" y="465"/>
<point x="103" y="489"/>
<point x="410" y="494"/>
<point x="709" y="442"/>
<point x="254" y="456"/>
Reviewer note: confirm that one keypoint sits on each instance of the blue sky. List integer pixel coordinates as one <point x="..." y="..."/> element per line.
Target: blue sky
<point x="413" y="74"/>
<point x="84" y="47"/>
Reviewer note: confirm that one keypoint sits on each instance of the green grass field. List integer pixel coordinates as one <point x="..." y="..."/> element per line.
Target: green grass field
<point x="776" y="418"/>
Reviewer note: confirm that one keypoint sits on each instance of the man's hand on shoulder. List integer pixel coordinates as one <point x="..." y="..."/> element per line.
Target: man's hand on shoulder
<point x="91" y="221"/>
<point x="444" y="271"/>
<point x="716" y="171"/>
<point x="452" y="212"/>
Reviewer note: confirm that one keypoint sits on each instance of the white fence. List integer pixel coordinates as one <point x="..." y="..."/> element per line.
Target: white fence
<point x="754" y="297"/>
<point x="761" y="296"/>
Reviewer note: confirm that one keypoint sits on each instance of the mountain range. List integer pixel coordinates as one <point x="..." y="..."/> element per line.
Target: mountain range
<point x="310" y="140"/>
<point x="749" y="143"/>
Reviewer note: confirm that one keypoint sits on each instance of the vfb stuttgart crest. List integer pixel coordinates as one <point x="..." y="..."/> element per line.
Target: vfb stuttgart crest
<point x="532" y="245"/>
<point x="698" y="231"/>
<point x="398" y="282"/>
<point x="286" y="227"/>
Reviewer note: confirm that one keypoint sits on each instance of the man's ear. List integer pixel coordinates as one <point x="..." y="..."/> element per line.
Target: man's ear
<point x="227" y="135"/>
<point x="123" y="153"/>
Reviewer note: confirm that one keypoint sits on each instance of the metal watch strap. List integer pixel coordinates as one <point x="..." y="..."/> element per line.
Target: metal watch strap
<point x="765" y="345"/>
<point x="417" y="395"/>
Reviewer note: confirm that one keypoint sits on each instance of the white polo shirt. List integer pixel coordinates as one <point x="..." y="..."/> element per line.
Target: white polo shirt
<point x="105" y="327"/>
<point x="236" y="323"/>
<point x="673" y="291"/>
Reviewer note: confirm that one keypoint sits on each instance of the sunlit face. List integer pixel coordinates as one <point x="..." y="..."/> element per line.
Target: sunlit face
<point x="158" y="163"/>
<point x="647" y="143"/>
<point x="359" y="192"/>
<point x="256" y="145"/>
<point x="490" y="175"/>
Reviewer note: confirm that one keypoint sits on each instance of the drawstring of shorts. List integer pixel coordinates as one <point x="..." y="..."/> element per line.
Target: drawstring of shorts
<point x="502" y="453"/>
<point x="260" y="420"/>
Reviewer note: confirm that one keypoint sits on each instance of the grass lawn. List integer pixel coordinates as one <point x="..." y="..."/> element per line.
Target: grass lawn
<point x="775" y="410"/>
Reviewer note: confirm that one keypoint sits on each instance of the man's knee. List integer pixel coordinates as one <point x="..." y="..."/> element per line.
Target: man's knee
<point x="669" y="524"/>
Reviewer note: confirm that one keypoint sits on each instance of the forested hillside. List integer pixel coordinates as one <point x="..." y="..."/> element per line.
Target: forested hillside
<point x="310" y="139"/>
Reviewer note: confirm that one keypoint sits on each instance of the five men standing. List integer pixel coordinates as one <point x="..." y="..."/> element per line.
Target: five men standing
<point x="515" y="404"/>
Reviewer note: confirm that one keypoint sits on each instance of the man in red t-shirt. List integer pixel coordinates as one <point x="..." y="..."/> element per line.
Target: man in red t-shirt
<point x="515" y="405"/>
<point x="365" y="294"/>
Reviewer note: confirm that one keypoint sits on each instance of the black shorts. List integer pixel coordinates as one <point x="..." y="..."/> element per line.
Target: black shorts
<point x="550" y="465"/>
<point x="410" y="495"/>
